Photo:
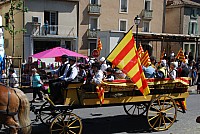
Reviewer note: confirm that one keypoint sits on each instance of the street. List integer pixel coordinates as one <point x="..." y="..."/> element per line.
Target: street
<point x="113" y="120"/>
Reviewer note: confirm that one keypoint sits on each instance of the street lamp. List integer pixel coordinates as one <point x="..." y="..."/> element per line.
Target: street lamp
<point x="137" y="22"/>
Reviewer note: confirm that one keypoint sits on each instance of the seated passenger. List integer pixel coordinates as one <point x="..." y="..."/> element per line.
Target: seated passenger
<point x="162" y="71"/>
<point x="98" y="73"/>
<point x="109" y="74"/>
<point x="172" y="71"/>
<point x="119" y="74"/>
<point x="82" y="73"/>
<point x="149" y="71"/>
<point x="59" y="72"/>
<point x="96" y="78"/>
<point x="69" y="76"/>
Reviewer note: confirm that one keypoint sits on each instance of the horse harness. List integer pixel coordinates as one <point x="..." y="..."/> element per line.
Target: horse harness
<point x="8" y="104"/>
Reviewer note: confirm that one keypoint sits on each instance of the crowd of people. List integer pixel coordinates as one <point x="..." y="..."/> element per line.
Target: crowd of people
<point x="96" y="71"/>
<point x="171" y="67"/>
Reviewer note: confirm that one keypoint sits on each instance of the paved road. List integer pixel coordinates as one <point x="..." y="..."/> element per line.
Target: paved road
<point x="113" y="120"/>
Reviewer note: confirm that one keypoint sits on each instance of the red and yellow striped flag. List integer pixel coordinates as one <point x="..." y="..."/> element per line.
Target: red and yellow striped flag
<point x="181" y="56"/>
<point x="145" y="59"/>
<point x="125" y="57"/>
<point x="99" y="45"/>
<point x="140" y="51"/>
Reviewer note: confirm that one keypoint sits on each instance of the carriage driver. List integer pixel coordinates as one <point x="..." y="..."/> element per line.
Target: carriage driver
<point x="63" y="68"/>
<point x="63" y="81"/>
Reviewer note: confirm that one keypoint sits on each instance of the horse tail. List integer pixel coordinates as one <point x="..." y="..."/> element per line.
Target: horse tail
<point x="24" y="112"/>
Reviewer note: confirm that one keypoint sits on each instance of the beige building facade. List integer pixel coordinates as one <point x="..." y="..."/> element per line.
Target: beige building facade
<point x="182" y="17"/>
<point x="74" y="24"/>
<point x="118" y="15"/>
<point x="48" y="24"/>
<point x="18" y="40"/>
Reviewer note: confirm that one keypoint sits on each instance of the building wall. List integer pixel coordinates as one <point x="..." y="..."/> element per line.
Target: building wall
<point x="181" y="16"/>
<point x="110" y="16"/>
<point x="156" y="22"/>
<point x="67" y="21"/>
<point x="83" y="27"/>
<point x="67" y="14"/>
<point x="173" y="23"/>
<point x="8" y="45"/>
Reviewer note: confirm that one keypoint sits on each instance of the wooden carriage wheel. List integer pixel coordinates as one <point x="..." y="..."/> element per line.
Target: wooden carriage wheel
<point x="161" y="113"/>
<point x="47" y="113"/>
<point x="66" y="123"/>
<point x="135" y="109"/>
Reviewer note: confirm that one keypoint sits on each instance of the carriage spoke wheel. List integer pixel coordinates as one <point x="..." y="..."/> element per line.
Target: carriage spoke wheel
<point x="135" y="109"/>
<point x="162" y="113"/>
<point x="47" y="113"/>
<point x="66" y="123"/>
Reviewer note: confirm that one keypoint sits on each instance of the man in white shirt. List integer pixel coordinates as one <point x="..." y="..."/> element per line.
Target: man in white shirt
<point x="63" y="81"/>
<point x="98" y="74"/>
<point x="96" y="79"/>
<point x="72" y="71"/>
<point x="13" y="80"/>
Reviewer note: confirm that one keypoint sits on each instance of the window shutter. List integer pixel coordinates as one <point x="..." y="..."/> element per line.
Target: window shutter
<point x="189" y="28"/>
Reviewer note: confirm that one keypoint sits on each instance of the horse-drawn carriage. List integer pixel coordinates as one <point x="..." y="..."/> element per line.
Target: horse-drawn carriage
<point x="161" y="105"/>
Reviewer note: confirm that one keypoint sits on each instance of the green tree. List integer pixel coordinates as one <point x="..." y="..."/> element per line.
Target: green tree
<point x="16" y="6"/>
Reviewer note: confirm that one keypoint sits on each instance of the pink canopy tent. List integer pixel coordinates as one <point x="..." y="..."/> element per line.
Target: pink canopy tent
<point x="56" y="52"/>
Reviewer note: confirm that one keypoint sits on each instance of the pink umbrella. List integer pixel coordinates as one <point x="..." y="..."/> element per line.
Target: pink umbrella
<point x="56" y="52"/>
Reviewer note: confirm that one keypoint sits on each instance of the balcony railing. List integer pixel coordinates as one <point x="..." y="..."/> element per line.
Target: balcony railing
<point x="92" y="33"/>
<point x="147" y="14"/>
<point x="45" y="30"/>
<point x="94" y="9"/>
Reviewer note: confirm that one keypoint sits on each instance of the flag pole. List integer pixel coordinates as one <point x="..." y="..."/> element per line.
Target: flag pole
<point x="119" y="42"/>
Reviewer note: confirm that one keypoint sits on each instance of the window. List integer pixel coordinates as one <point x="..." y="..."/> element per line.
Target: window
<point x="189" y="48"/>
<point x="147" y="5"/>
<point x="51" y="18"/>
<point x="122" y="25"/>
<point x="193" y="28"/>
<point x="194" y="12"/>
<point x="93" y="23"/>
<point x="92" y="47"/>
<point x="146" y="26"/>
<point x="68" y="45"/>
<point x="94" y="2"/>
<point x="123" y="6"/>
<point x="186" y="48"/>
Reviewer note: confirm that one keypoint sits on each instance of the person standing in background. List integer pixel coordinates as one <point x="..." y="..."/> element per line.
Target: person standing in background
<point x="3" y="77"/>
<point x="37" y="85"/>
<point x="13" y="80"/>
<point x="46" y="27"/>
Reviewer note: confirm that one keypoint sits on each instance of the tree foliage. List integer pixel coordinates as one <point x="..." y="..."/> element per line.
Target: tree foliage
<point x="16" y="6"/>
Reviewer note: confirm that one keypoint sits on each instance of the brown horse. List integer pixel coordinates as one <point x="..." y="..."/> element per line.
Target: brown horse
<point x="14" y="102"/>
